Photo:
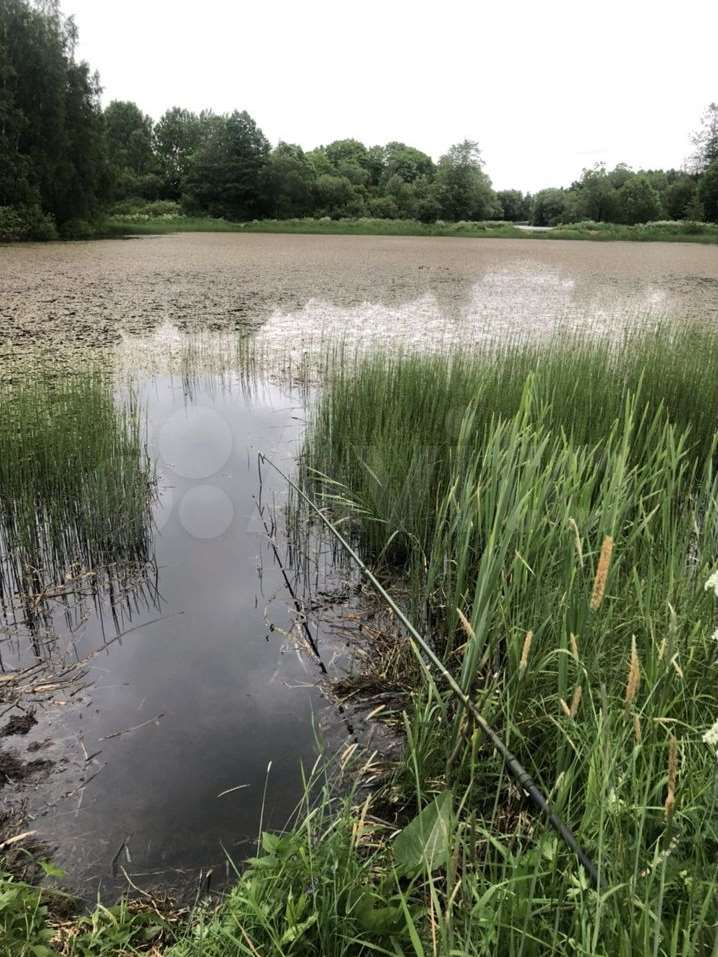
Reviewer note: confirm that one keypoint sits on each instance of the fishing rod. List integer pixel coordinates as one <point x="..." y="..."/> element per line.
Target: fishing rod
<point x="516" y="769"/>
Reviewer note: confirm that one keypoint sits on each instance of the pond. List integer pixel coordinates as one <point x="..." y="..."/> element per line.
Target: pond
<point x="184" y="700"/>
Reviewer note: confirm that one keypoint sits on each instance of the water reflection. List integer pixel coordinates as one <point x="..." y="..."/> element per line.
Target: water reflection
<point x="76" y="490"/>
<point x="192" y="702"/>
<point x="228" y="282"/>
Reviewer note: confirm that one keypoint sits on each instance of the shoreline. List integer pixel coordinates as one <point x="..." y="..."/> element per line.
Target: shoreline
<point x="706" y="234"/>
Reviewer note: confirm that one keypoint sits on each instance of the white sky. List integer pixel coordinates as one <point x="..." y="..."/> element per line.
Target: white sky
<point x="545" y="87"/>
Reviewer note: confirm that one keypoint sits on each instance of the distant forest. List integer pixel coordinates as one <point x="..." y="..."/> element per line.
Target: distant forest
<point x="65" y="162"/>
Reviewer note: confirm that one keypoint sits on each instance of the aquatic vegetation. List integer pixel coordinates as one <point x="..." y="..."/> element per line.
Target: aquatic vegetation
<point x="75" y="488"/>
<point x="549" y="511"/>
<point x="565" y="492"/>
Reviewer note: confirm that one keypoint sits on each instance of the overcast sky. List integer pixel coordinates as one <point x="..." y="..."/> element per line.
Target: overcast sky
<point x="547" y="88"/>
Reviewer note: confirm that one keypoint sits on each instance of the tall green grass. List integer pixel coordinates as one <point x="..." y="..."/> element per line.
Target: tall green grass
<point x="389" y="426"/>
<point x="75" y="482"/>
<point x="492" y="484"/>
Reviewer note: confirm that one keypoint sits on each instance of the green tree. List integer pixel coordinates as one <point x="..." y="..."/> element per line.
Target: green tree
<point x="638" y="201"/>
<point x="463" y="189"/>
<point x="52" y="158"/>
<point x="226" y="176"/>
<point x="290" y="182"/>
<point x="549" y="207"/>
<point x="406" y="162"/>
<point x="515" y="206"/>
<point x="705" y="139"/>
<point x="594" y="195"/>
<point x="130" y="146"/>
<point x="383" y="207"/>
<point x="177" y="135"/>
<point x="334" y="195"/>
<point x="708" y="191"/>
<point x="680" y="196"/>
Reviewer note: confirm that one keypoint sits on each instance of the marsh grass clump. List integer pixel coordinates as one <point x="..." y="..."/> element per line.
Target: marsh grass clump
<point x="76" y="483"/>
<point x="391" y="427"/>
<point x="566" y="491"/>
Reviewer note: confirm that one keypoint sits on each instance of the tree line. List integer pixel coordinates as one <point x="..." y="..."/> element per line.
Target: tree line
<point x="64" y="160"/>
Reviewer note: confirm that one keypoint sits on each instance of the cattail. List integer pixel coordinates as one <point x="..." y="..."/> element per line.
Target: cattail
<point x="565" y="708"/>
<point x="670" y="804"/>
<point x="599" y="582"/>
<point x="634" y="675"/>
<point x="523" y="664"/>
<point x="637" y="733"/>
<point x="575" y="701"/>
<point x="574" y="646"/>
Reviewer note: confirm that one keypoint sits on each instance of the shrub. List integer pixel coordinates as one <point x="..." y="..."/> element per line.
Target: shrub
<point x="76" y="229"/>
<point x="140" y="209"/>
<point x="21" y="224"/>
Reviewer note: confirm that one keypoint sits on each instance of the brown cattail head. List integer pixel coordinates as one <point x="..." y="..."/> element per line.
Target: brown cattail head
<point x="634" y="675"/>
<point x="574" y="646"/>
<point x="570" y="710"/>
<point x="670" y="804"/>
<point x="599" y="582"/>
<point x="523" y="664"/>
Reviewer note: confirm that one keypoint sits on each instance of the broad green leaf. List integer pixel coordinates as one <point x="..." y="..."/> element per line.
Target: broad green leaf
<point x="270" y="842"/>
<point x="425" y="842"/>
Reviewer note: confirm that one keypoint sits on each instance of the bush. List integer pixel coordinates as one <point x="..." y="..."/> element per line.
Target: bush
<point x="383" y="207"/>
<point x="76" y="229"/>
<point x="140" y="209"/>
<point x="22" y="224"/>
<point x="427" y="211"/>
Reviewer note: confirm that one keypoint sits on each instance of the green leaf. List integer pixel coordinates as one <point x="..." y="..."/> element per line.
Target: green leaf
<point x="374" y="916"/>
<point x="381" y="921"/>
<point x="40" y="950"/>
<point x="425" y="842"/>
<point x="51" y="869"/>
<point x="270" y="842"/>
<point x="297" y="930"/>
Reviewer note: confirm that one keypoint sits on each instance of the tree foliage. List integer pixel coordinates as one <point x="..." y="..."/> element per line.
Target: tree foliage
<point x="52" y="145"/>
<point x="463" y="189"/>
<point x="705" y="139"/>
<point x="63" y="160"/>
<point x="226" y="173"/>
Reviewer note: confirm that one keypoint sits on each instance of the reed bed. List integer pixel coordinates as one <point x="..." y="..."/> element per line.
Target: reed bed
<point x="549" y="511"/>
<point x="76" y="485"/>
<point x="554" y="510"/>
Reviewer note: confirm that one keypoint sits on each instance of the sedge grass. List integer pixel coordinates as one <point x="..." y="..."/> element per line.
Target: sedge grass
<point x="75" y="482"/>
<point x="566" y="491"/>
